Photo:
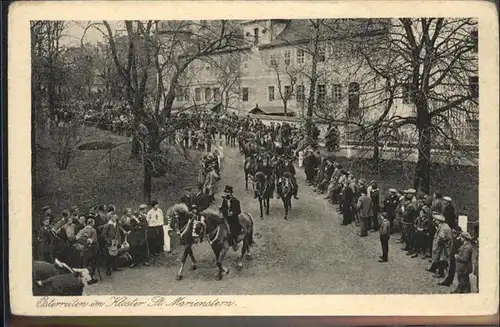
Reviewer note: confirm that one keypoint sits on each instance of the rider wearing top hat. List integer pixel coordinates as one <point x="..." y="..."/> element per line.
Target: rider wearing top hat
<point x="288" y="167"/>
<point x="230" y="209"/>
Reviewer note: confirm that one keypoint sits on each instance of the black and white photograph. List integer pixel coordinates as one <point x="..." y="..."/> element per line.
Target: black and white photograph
<point x="265" y="156"/>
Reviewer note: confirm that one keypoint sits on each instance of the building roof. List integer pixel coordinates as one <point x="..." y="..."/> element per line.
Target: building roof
<point x="271" y="110"/>
<point x="300" y="31"/>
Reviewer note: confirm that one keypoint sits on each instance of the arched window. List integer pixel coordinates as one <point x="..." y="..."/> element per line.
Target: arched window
<point x="353" y="103"/>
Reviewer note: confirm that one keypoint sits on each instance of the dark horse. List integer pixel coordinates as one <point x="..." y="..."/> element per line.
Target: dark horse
<point x="250" y="168"/>
<point x="214" y="228"/>
<point x="286" y="190"/>
<point x="264" y="188"/>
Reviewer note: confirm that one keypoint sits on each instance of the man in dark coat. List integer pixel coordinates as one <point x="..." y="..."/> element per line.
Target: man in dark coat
<point x="347" y="201"/>
<point x="186" y="198"/>
<point x="375" y="196"/>
<point x="230" y="209"/>
<point x="390" y="205"/>
<point x="200" y="199"/>
<point x="449" y="213"/>
<point x="138" y="238"/>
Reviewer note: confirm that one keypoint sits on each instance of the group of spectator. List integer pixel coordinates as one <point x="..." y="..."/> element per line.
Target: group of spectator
<point x="428" y="223"/>
<point x="101" y="237"/>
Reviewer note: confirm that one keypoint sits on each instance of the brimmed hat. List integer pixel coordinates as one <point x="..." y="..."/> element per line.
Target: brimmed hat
<point x="411" y="191"/>
<point x="393" y="190"/>
<point x="228" y="189"/>
<point x="45" y="208"/>
<point x="438" y="217"/>
<point x="466" y="235"/>
<point x="447" y="198"/>
<point x="143" y="206"/>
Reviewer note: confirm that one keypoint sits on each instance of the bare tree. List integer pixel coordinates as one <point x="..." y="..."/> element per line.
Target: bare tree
<point x="434" y="59"/>
<point x="167" y="49"/>
<point x="286" y="77"/>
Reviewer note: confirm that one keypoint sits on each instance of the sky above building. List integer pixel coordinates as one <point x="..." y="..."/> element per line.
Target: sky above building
<point x="76" y="30"/>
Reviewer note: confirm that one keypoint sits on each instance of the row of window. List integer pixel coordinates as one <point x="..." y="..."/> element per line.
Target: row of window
<point x="321" y="92"/>
<point x="184" y="94"/>
<point x="300" y="56"/>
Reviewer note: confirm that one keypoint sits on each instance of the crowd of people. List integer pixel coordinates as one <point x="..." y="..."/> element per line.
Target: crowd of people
<point x="428" y="223"/>
<point x="101" y="236"/>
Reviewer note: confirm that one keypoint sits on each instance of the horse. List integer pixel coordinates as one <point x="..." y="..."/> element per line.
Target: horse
<point x="264" y="188"/>
<point x="285" y="191"/>
<point x="250" y="168"/>
<point x="214" y="227"/>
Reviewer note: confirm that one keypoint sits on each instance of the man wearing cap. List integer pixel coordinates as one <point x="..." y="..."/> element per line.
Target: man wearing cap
<point x="390" y="205"/>
<point x="457" y="243"/>
<point x="408" y="221"/>
<point x="449" y="213"/>
<point x="441" y="246"/>
<point x="385" y="234"/>
<point x="437" y="202"/>
<point x="47" y="213"/>
<point x="364" y="209"/>
<point x="230" y="209"/>
<point x="186" y="198"/>
<point x="464" y="264"/>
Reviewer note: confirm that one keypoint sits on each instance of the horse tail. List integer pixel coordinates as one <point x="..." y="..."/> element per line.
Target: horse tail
<point x="250" y="230"/>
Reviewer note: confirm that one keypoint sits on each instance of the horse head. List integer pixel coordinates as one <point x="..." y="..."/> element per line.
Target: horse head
<point x="286" y="183"/>
<point x="178" y="214"/>
<point x="211" y="219"/>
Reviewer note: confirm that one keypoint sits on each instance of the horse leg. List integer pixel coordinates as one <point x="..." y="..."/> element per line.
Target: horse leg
<point x="220" y="253"/>
<point x="261" y="209"/>
<point x="285" y="204"/>
<point x="193" y="260"/>
<point x="267" y="205"/>
<point x="239" y="261"/>
<point x="183" y="261"/>
<point x="246" y="180"/>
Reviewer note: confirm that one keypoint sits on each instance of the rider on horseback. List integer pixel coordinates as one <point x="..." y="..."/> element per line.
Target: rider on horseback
<point x="230" y="209"/>
<point x="198" y="225"/>
<point x="265" y="167"/>
<point x="288" y="167"/>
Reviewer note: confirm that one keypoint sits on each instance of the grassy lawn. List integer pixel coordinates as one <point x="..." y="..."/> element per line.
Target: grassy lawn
<point x="93" y="177"/>
<point x="459" y="182"/>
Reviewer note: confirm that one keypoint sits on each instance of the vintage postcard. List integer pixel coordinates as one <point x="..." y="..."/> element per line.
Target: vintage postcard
<point x="183" y="158"/>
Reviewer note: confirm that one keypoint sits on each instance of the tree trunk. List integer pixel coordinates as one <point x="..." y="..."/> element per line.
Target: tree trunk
<point x="285" y="109"/>
<point x="423" y="169"/>
<point x="147" y="185"/>
<point x="376" y="149"/>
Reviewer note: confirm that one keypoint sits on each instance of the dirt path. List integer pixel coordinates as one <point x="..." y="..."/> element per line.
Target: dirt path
<point x="309" y="253"/>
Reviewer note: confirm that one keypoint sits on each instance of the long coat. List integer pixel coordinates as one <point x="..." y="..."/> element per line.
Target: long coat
<point x="364" y="206"/>
<point x="137" y="228"/>
<point x="464" y="259"/>
<point x="442" y="243"/>
<point x="230" y="208"/>
<point x="211" y="183"/>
